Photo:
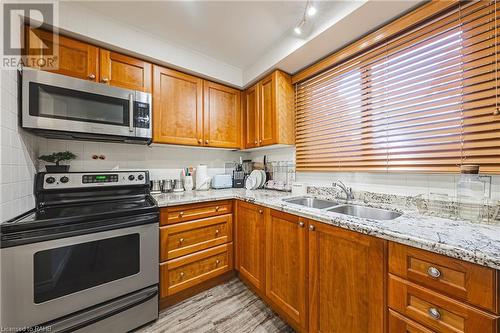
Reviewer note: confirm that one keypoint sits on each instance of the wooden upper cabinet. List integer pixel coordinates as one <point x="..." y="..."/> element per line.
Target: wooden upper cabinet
<point x="177" y="107"/>
<point x="270" y="103"/>
<point x="250" y="237"/>
<point x="267" y="121"/>
<point x="75" y="58"/>
<point x="123" y="71"/>
<point x="347" y="272"/>
<point x="251" y="117"/>
<point x="222" y="116"/>
<point x="286" y="265"/>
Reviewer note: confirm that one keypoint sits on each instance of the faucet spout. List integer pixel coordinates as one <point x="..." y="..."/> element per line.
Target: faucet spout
<point x="343" y="187"/>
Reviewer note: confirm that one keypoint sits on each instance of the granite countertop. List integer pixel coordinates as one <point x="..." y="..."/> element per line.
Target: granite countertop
<point x="473" y="242"/>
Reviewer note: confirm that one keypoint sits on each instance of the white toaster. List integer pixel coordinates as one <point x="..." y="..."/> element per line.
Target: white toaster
<point x="222" y="181"/>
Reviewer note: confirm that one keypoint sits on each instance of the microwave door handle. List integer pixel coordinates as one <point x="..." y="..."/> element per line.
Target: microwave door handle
<point x="131" y="112"/>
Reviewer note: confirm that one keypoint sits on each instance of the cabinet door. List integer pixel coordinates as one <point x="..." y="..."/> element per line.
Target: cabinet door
<point x="267" y="111"/>
<point x="75" y="58"/>
<point x="251" y="243"/>
<point x="346" y="281"/>
<point x="251" y="117"/>
<point x="177" y="108"/>
<point x="286" y="257"/>
<point x="123" y="71"/>
<point x="221" y="114"/>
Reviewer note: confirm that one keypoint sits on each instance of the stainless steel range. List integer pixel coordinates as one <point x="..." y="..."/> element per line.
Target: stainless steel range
<point x="86" y="259"/>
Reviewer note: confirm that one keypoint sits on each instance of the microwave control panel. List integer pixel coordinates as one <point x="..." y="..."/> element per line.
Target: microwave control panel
<point x="142" y="117"/>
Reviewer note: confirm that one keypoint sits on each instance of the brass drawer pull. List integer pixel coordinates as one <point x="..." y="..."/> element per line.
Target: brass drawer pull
<point x="181" y="214"/>
<point x="217" y="232"/>
<point x="91" y="76"/>
<point x="217" y="208"/>
<point x="217" y="262"/>
<point x="433" y="272"/>
<point x="434" y="313"/>
<point x="181" y="240"/>
<point x="311" y="227"/>
<point x="261" y="211"/>
<point x="182" y="275"/>
<point x="301" y="224"/>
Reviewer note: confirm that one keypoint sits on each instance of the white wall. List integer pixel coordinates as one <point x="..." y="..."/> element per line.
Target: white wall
<point x="392" y="183"/>
<point x="18" y="153"/>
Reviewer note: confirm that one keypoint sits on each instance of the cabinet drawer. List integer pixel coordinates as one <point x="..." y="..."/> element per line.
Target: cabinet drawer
<point x="190" y="212"/>
<point x="188" y="237"/>
<point x="436" y="311"/>
<point x="188" y="271"/>
<point x="465" y="281"/>
<point x="401" y="324"/>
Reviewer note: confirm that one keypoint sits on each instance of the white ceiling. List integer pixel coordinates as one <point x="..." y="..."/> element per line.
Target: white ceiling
<point x="235" y="32"/>
<point x="230" y="37"/>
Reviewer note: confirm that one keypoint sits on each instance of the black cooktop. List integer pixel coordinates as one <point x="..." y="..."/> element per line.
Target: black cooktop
<point x="78" y="213"/>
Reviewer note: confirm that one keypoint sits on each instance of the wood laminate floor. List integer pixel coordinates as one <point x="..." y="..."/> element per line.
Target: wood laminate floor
<point x="230" y="308"/>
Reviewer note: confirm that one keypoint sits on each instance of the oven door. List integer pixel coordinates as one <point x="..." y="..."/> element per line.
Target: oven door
<point x="61" y="103"/>
<point x="46" y="280"/>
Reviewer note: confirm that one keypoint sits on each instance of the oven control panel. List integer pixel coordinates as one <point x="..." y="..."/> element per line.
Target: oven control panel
<point x="90" y="179"/>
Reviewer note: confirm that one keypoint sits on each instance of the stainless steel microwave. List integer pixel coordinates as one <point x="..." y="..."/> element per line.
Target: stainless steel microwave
<point x="58" y="106"/>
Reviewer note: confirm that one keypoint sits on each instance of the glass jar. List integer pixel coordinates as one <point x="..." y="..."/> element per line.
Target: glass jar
<point x="470" y="194"/>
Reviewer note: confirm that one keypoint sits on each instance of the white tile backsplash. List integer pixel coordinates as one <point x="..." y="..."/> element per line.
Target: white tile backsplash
<point x="162" y="161"/>
<point x="18" y="153"/>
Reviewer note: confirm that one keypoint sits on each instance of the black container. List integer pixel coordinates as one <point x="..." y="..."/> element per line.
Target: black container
<point x="57" y="168"/>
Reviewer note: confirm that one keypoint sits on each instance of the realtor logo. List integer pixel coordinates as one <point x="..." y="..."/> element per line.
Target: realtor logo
<point x="24" y="44"/>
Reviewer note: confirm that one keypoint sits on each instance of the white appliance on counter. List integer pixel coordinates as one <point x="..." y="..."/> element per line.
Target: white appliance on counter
<point x="222" y="181"/>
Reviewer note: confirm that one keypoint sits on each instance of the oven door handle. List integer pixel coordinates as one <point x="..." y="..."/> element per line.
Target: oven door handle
<point x="103" y="311"/>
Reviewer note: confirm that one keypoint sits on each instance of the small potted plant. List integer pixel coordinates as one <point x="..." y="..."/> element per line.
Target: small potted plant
<point x="57" y="158"/>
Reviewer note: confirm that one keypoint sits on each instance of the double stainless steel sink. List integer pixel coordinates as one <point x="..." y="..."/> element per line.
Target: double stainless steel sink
<point x="346" y="209"/>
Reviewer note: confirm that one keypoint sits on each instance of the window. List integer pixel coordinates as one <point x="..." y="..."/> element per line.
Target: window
<point x="424" y="100"/>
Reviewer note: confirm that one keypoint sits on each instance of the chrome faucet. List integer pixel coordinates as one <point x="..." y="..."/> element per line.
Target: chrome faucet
<point x="347" y="190"/>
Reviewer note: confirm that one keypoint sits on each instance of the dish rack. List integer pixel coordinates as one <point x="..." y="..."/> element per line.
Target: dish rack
<point x="282" y="175"/>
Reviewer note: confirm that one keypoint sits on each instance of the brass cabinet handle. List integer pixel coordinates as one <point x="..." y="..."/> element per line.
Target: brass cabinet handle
<point x="206" y="141"/>
<point x="433" y="272"/>
<point x="217" y="208"/>
<point x="434" y="313"/>
<point x="261" y="211"/>
<point x="104" y="80"/>
<point x="217" y="231"/>
<point x="91" y="76"/>
<point x="255" y="141"/>
<point x="311" y="227"/>
<point x="181" y="214"/>
<point x="181" y="240"/>
<point x="260" y="141"/>
<point x="200" y="141"/>
<point x="301" y="224"/>
<point x="217" y="262"/>
<point x="182" y="275"/>
<point x="496" y="112"/>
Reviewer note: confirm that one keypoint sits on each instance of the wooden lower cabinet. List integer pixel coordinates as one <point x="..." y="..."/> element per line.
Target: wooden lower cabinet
<point x="347" y="274"/>
<point x="286" y="265"/>
<point x="187" y="271"/>
<point x="436" y="311"/>
<point x="401" y="324"/>
<point x="250" y="228"/>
